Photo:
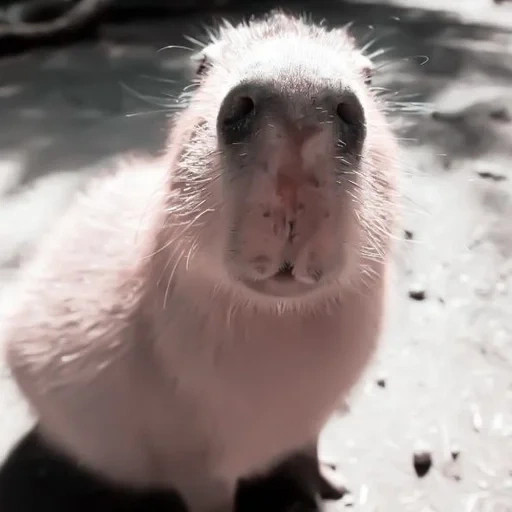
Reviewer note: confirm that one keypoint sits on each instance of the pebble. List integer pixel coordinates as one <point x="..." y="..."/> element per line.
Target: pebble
<point x="455" y="452"/>
<point x="417" y="293"/>
<point x="381" y="382"/>
<point x="422" y="460"/>
<point x="409" y="235"/>
<point x="349" y="500"/>
<point x="490" y="175"/>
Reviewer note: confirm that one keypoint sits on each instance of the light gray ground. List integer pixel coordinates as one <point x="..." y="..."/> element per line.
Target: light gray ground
<point x="446" y="361"/>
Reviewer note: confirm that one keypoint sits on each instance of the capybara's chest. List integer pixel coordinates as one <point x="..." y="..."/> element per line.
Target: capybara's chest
<point x="268" y="391"/>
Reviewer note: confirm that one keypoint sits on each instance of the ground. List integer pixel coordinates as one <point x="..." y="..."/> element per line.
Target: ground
<point x="443" y="377"/>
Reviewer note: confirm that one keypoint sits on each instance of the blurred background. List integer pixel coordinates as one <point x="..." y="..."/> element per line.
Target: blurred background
<point x="430" y="427"/>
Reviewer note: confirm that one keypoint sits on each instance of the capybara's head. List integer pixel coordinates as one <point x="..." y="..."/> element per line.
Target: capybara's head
<point x="283" y="163"/>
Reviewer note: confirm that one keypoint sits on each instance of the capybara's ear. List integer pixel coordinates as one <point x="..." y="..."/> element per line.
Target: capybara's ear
<point x="367" y="68"/>
<point x="203" y="60"/>
<point x="364" y="63"/>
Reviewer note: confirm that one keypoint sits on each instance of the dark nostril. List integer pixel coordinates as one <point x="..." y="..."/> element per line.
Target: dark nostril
<point x="350" y="113"/>
<point x="235" y="122"/>
<point x="353" y="124"/>
<point x="241" y="107"/>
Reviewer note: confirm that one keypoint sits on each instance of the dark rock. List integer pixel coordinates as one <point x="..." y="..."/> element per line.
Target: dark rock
<point x="422" y="461"/>
<point x="455" y="452"/>
<point x="488" y="175"/>
<point x="417" y="294"/>
<point x="349" y="500"/>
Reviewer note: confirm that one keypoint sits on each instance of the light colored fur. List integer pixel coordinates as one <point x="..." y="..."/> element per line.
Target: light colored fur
<point x="138" y="348"/>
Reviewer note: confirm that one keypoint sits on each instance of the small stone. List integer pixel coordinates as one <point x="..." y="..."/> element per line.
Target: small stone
<point x="417" y="293"/>
<point x="381" y="382"/>
<point x="409" y="235"/>
<point x="349" y="500"/>
<point x="490" y="175"/>
<point x="455" y="452"/>
<point x="422" y="460"/>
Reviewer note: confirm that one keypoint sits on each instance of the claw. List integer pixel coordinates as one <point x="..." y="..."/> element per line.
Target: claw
<point x="331" y="484"/>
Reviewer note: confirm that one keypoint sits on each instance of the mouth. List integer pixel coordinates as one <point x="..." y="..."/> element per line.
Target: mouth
<point x="283" y="284"/>
<point x="285" y="273"/>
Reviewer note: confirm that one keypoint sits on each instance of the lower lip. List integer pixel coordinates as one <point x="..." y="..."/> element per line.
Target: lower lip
<point x="283" y="277"/>
<point x="279" y="286"/>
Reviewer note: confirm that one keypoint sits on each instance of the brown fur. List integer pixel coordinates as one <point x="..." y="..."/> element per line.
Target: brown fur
<point x="141" y="336"/>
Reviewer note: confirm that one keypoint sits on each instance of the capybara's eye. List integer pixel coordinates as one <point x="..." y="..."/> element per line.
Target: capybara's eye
<point x="202" y="66"/>
<point x="368" y="75"/>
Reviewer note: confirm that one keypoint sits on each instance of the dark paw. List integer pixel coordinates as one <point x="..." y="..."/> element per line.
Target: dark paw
<point x="35" y="477"/>
<point x="331" y="484"/>
<point x="275" y="493"/>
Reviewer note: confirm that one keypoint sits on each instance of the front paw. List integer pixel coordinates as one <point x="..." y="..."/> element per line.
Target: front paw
<point x="276" y="492"/>
<point x="298" y="484"/>
<point x="331" y="484"/>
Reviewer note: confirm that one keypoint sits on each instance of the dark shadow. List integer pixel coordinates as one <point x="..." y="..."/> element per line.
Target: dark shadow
<point x="36" y="477"/>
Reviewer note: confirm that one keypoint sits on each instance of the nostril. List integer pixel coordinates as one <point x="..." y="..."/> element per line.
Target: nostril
<point x="352" y="124"/>
<point x="240" y="108"/>
<point x="350" y="113"/>
<point x="235" y="122"/>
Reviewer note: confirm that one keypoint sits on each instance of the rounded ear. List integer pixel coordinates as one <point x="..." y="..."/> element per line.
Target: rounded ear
<point x="367" y="68"/>
<point x="363" y="63"/>
<point x="202" y="61"/>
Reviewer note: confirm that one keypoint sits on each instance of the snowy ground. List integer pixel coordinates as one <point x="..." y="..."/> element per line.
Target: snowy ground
<point x="445" y="368"/>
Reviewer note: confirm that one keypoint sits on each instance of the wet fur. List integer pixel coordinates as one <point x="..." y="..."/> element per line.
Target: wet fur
<point x="141" y="356"/>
